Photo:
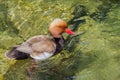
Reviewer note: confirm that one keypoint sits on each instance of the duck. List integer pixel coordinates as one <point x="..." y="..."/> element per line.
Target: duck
<point x="41" y="47"/>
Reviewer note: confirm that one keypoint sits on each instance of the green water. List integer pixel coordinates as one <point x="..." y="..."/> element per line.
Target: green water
<point x="92" y="55"/>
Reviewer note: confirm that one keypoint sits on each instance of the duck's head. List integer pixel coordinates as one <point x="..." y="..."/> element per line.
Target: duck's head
<point x="57" y="27"/>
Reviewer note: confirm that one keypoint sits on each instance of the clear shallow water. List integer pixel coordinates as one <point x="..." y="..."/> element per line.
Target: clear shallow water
<point x="93" y="55"/>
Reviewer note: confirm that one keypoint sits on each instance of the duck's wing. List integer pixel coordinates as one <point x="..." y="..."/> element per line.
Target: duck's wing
<point x="42" y="46"/>
<point x="41" y="43"/>
<point x="43" y="50"/>
<point x="25" y="48"/>
<point x="38" y="38"/>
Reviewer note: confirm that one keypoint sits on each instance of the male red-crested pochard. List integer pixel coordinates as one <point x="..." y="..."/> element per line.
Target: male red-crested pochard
<point x="42" y="47"/>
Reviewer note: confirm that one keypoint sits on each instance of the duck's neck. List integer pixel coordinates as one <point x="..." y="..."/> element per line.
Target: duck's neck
<point x="59" y="44"/>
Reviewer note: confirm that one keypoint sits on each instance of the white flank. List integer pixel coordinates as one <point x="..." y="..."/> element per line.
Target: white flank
<point x="42" y="56"/>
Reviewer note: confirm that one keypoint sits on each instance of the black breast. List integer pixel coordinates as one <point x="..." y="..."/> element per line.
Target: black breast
<point x="59" y="44"/>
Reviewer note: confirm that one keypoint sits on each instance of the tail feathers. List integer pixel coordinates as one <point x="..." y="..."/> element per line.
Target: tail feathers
<point x="17" y="55"/>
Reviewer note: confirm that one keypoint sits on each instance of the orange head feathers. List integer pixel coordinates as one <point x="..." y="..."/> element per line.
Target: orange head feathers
<point x="57" y="27"/>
